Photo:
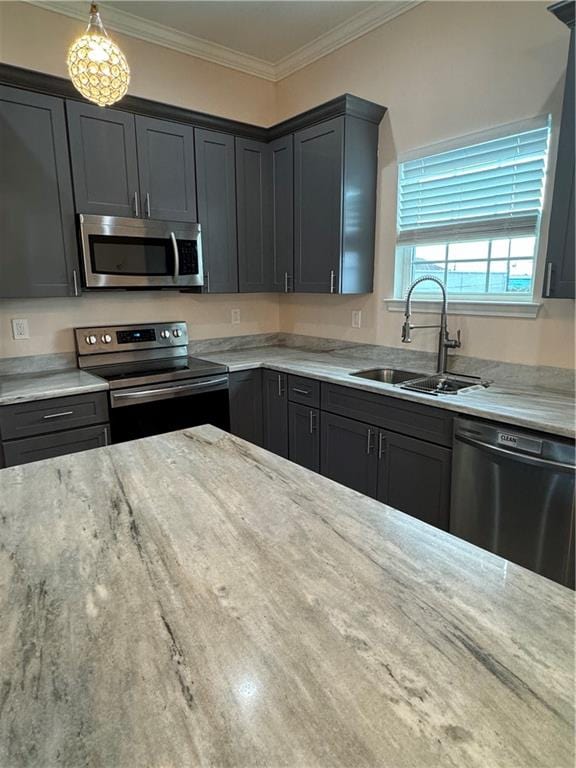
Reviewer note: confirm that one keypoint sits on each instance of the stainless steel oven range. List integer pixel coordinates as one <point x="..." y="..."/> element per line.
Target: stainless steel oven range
<point x="155" y="386"/>
<point x="129" y="253"/>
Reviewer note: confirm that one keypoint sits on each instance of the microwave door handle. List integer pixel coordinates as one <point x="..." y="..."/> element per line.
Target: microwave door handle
<point x="176" y="257"/>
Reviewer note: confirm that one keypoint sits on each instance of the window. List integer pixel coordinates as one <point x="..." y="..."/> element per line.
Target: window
<point x="471" y="216"/>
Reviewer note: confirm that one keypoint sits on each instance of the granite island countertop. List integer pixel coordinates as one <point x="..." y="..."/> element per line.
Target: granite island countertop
<point x="193" y="600"/>
<point x="539" y="408"/>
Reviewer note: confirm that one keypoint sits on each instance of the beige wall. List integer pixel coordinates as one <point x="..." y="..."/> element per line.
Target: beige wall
<point x="443" y="70"/>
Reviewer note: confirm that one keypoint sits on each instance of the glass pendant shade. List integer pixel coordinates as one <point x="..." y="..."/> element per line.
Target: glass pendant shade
<point x="97" y="67"/>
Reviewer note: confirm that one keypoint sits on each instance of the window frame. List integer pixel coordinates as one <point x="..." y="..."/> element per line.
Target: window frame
<point x="513" y="304"/>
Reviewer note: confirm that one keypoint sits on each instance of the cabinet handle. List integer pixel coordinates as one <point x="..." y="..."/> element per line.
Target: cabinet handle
<point x="369" y="442"/>
<point x="106" y="438"/>
<point x="75" y="281"/>
<point x="136" y="206"/>
<point x="148" y="205"/>
<point x="332" y="275"/>
<point x="312" y="414"/>
<point x="548" y="278"/>
<point x="280" y="391"/>
<point x="207" y="282"/>
<point x="301" y="391"/>
<point x="57" y="415"/>
<point x="381" y="445"/>
<point x="285" y="282"/>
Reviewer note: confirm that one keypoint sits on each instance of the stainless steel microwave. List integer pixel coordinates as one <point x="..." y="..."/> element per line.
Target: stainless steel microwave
<point x="140" y="253"/>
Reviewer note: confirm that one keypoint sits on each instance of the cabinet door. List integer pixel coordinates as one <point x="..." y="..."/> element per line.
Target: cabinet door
<point x="216" y="194"/>
<point x="348" y="453"/>
<point x="318" y="179"/>
<point x="303" y="436"/>
<point x="275" y="412"/>
<point x="559" y="276"/>
<point x="283" y="214"/>
<point x="57" y="444"/>
<point x="254" y="206"/>
<point x="245" y="393"/>
<point x="414" y="477"/>
<point x="38" y="255"/>
<point x="167" y="169"/>
<point x="104" y="164"/>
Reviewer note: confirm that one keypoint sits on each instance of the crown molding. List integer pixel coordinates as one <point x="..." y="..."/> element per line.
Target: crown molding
<point x="344" y="33"/>
<point x="168" y="37"/>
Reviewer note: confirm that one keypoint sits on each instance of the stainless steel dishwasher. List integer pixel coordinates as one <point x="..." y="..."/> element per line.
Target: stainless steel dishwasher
<point x="513" y="494"/>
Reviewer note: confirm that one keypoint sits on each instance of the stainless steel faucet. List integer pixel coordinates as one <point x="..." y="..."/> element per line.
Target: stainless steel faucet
<point x="444" y="341"/>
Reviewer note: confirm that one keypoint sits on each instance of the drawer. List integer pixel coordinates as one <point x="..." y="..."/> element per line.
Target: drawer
<point x="304" y="391"/>
<point x="39" y="417"/>
<point x="59" y="444"/>
<point x="421" y="421"/>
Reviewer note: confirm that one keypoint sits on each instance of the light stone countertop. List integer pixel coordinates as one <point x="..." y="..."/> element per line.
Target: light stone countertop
<point x="193" y="600"/>
<point x="547" y="410"/>
<point x="21" y="387"/>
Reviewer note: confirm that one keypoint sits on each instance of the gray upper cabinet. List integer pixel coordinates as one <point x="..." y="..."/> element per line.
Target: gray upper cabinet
<point x="254" y="207"/>
<point x="216" y="191"/>
<point x="335" y="173"/>
<point x="104" y="160"/>
<point x="282" y="159"/>
<point x="559" y="276"/>
<point x="166" y="169"/>
<point x="38" y="255"/>
<point x="318" y="158"/>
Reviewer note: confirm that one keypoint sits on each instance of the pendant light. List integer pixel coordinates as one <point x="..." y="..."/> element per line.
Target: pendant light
<point x="97" y="67"/>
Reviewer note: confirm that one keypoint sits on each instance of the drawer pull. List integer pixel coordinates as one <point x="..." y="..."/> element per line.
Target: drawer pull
<point x="301" y="391"/>
<point x="58" y="415"/>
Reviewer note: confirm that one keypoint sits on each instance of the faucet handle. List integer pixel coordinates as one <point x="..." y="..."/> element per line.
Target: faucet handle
<point x="453" y="343"/>
<point x="406" y="328"/>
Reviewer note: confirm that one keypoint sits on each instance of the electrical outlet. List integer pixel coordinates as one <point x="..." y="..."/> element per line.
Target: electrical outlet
<point x="356" y="318"/>
<point x="20" y="328"/>
<point x="235" y="316"/>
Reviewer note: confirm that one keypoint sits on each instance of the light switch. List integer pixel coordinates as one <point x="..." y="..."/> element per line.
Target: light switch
<point x="356" y="318"/>
<point x="20" y="328"/>
<point x="235" y="316"/>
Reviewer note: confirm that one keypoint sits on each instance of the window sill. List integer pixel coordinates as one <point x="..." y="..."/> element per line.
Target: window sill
<point x="526" y="309"/>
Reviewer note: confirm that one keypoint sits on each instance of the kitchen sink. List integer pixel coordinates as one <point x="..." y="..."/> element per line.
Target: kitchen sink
<point x="389" y="375"/>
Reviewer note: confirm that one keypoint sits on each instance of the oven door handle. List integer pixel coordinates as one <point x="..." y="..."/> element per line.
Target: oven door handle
<point x="176" y="257"/>
<point x="179" y="388"/>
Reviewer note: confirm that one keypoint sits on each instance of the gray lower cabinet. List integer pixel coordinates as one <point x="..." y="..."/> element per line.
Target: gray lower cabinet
<point x="414" y="477"/>
<point x="335" y="175"/>
<point x="57" y="444"/>
<point x="104" y="160"/>
<point x="275" y="397"/>
<point x="42" y="429"/>
<point x="245" y="394"/>
<point x="216" y="192"/>
<point x="304" y="436"/>
<point x="559" y="281"/>
<point x="38" y="252"/>
<point x="348" y="453"/>
<point x="166" y="169"/>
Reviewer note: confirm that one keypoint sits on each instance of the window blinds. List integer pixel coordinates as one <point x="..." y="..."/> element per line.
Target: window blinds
<point x="490" y="189"/>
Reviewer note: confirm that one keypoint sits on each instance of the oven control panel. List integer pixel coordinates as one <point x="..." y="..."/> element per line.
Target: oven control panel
<point x="116" y="338"/>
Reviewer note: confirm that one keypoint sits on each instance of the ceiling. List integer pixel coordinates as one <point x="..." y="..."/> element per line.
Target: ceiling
<point x="270" y="39"/>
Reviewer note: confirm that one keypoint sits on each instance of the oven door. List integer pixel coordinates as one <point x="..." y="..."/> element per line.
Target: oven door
<point x="153" y="409"/>
<point x="139" y="253"/>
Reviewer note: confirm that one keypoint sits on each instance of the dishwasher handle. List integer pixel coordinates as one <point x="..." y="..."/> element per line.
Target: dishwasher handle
<point x="522" y="457"/>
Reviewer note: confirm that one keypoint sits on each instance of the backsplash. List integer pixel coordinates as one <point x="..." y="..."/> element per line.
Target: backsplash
<point x="494" y="370"/>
